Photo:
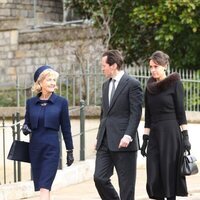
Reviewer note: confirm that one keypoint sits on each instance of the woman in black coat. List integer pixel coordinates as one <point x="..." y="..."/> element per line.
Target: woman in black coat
<point x="165" y="134"/>
<point x="45" y="114"/>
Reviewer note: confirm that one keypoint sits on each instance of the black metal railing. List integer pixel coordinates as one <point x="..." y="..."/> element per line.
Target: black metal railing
<point x="85" y="82"/>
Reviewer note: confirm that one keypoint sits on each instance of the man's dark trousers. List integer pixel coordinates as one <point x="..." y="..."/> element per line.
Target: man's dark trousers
<point x="106" y="160"/>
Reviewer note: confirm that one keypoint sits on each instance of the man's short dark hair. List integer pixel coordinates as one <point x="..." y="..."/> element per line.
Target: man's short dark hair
<point x="114" y="56"/>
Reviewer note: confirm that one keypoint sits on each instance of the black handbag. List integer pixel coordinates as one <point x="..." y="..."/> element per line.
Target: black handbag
<point x="189" y="166"/>
<point x="19" y="151"/>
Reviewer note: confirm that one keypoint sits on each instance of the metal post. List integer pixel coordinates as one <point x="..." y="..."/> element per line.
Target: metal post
<point x="14" y="163"/>
<point x="82" y="130"/>
<point x="4" y="159"/>
<point x="64" y="14"/>
<point x="18" y="91"/>
<point x="18" y="138"/>
<point x="88" y="84"/>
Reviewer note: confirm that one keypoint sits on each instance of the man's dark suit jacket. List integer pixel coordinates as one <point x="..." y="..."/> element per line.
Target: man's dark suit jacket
<point x="123" y="115"/>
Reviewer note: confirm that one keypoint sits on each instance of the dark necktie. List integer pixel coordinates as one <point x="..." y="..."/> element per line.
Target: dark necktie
<point x="113" y="90"/>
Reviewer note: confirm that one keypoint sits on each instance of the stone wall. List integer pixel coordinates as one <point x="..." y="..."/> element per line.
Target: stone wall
<point x="21" y="52"/>
<point x="44" y="11"/>
<point x="27" y="41"/>
<point x="8" y="46"/>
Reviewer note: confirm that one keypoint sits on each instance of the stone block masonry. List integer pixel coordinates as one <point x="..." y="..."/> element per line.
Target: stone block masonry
<point x="46" y="10"/>
<point x="22" y="51"/>
<point x="27" y="41"/>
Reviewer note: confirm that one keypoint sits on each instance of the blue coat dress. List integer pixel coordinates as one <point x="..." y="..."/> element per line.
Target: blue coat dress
<point x="45" y="117"/>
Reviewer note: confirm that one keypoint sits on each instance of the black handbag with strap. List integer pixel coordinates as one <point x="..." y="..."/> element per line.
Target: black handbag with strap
<point x="189" y="166"/>
<point x="19" y="151"/>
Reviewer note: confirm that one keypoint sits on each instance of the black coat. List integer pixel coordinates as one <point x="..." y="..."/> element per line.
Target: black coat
<point x="164" y="113"/>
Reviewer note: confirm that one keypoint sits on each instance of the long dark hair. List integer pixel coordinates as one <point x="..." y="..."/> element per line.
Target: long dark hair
<point x="160" y="58"/>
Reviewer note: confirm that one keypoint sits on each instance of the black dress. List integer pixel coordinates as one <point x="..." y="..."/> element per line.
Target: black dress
<point x="164" y="112"/>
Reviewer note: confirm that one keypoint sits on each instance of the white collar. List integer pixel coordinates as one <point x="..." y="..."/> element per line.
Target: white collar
<point x="119" y="75"/>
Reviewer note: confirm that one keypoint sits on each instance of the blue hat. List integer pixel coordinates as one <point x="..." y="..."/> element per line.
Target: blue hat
<point x="40" y="70"/>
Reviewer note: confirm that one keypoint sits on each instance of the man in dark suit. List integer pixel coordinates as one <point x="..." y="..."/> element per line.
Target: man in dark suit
<point x="117" y="139"/>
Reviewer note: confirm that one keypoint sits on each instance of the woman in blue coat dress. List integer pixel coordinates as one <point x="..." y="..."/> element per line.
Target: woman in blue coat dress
<point x="45" y="114"/>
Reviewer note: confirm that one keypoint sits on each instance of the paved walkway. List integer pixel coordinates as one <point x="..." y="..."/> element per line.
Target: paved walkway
<point x="87" y="191"/>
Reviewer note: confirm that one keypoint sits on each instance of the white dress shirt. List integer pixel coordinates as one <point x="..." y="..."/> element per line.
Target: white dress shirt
<point x="117" y="78"/>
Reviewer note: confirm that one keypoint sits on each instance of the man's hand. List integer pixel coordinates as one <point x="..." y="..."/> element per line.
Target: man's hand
<point x="124" y="142"/>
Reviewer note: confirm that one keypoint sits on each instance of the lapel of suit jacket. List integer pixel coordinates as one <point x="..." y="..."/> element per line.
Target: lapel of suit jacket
<point x="105" y="94"/>
<point x="122" y="83"/>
